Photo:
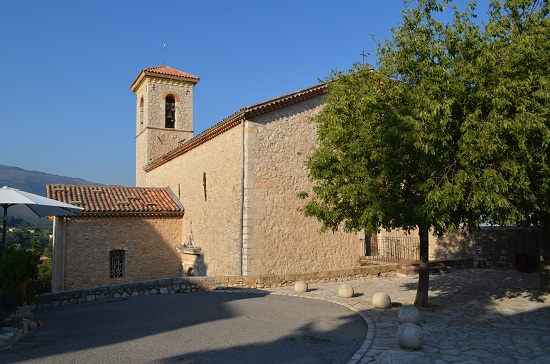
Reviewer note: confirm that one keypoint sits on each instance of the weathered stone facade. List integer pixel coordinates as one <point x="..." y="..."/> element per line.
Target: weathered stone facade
<point x="278" y="237"/>
<point x="207" y="179"/>
<point x="239" y="182"/>
<point x="82" y="247"/>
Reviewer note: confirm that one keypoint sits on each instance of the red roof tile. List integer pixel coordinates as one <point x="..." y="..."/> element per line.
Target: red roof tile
<point x="164" y="71"/>
<point x="116" y="200"/>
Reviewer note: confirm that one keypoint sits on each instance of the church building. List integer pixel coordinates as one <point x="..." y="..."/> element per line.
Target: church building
<point x="221" y="203"/>
<point x="237" y="180"/>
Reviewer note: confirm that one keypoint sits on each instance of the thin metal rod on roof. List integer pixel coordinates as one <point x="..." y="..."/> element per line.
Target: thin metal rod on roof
<point x="365" y="55"/>
<point x="164" y="61"/>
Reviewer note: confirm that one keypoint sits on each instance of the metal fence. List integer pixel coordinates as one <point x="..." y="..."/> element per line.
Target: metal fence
<point x="393" y="249"/>
<point x="8" y="305"/>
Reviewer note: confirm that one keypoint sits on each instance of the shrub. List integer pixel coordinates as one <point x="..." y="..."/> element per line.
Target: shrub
<point x="17" y="265"/>
<point x="43" y="281"/>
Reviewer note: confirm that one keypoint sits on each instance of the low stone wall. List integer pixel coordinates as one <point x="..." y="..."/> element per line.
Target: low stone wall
<point x="504" y="247"/>
<point x="491" y="246"/>
<point x="197" y="284"/>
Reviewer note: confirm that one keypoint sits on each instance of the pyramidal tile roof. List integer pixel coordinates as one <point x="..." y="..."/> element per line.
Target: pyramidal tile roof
<point x="169" y="71"/>
<point x="163" y="71"/>
<point x="116" y="200"/>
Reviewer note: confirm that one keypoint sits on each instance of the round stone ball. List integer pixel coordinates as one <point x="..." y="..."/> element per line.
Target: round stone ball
<point x="345" y="290"/>
<point x="381" y="300"/>
<point x="410" y="336"/>
<point x="300" y="286"/>
<point x="408" y="314"/>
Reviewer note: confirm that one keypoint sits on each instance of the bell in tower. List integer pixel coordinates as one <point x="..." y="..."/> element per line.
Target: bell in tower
<point x="170" y="112"/>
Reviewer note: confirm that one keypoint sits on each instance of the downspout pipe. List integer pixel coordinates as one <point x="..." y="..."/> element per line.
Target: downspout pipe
<point x="241" y="224"/>
<point x="64" y="241"/>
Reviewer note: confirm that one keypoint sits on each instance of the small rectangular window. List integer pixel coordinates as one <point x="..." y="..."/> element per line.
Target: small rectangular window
<point x="116" y="260"/>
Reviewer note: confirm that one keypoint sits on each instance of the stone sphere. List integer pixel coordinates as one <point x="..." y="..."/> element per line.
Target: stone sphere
<point x="410" y="336"/>
<point x="381" y="300"/>
<point x="300" y="286"/>
<point x="409" y="314"/>
<point x="345" y="291"/>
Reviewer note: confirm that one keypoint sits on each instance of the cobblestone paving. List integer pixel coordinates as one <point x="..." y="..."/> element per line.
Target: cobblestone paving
<point x="474" y="316"/>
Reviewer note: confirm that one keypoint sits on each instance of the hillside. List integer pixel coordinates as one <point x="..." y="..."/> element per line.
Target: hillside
<point x="34" y="181"/>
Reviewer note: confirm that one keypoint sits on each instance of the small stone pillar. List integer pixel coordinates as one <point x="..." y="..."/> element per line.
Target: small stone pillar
<point x="190" y="261"/>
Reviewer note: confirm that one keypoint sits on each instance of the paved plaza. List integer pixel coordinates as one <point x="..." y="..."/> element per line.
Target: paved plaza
<point x="475" y="316"/>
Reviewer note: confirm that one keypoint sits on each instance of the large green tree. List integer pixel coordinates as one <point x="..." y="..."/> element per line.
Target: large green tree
<point x="505" y="141"/>
<point x="388" y="138"/>
<point x="416" y="143"/>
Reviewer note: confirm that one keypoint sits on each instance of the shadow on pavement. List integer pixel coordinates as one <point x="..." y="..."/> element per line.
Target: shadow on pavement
<point x="200" y="327"/>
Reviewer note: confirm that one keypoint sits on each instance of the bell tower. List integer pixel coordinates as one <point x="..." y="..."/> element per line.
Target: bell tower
<point x="164" y="114"/>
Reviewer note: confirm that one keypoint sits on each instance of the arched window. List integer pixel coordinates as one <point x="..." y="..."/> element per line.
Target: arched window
<point x="170" y="112"/>
<point x="141" y="111"/>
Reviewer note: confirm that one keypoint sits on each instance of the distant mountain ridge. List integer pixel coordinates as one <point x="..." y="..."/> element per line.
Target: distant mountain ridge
<point x="35" y="181"/>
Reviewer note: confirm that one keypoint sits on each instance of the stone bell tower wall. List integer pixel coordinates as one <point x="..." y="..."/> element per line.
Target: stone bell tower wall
<point x="153" y="139"/>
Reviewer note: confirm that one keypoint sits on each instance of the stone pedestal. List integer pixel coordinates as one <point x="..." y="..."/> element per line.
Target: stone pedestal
<point x="190" y="261"/>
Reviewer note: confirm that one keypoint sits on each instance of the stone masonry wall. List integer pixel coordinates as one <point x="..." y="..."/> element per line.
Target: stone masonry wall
<point x="214" y="219"/>
<point x="195" y="284"/>
<point x="278" y="237"/>
<point x="491" y="246"/>
<point x="149" y="244"/>
<point x="507" y="247"/>
<point x="153" y="140"/>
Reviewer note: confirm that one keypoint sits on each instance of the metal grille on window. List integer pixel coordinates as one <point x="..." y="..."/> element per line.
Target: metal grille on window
<point x="116" y="258"/>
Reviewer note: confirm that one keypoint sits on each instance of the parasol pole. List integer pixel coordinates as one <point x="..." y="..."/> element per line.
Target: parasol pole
<point x="4" y="223"/>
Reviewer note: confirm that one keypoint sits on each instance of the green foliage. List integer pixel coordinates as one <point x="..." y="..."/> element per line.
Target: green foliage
<point x="388" y="138"/>
<point x="451" y="127"/>
<point x="18" y="264"/>
<point x="506" y="132"/>
<point x="28" y="235"/>
<point x="43" y="281"/>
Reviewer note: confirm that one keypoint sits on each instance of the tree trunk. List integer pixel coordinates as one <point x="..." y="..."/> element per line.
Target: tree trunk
<point x="544" y="249"/>
<point x="421" y="299"/>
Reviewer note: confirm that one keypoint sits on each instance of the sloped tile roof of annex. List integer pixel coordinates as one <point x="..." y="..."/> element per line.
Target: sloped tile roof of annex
<point x="234" y="119"/>
<point x="117" y="200"/>
<point x="164" y="71"/>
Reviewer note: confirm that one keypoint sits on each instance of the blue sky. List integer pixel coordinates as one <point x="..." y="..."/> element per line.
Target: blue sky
<point x="66" y="67"/>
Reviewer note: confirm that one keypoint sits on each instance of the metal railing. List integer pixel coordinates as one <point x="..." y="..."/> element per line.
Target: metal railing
<point x="393" y="249"/>
<point x="8" y="305"/>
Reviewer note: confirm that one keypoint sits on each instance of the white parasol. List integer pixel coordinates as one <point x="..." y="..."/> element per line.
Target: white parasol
<point x="24" y="204"/>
